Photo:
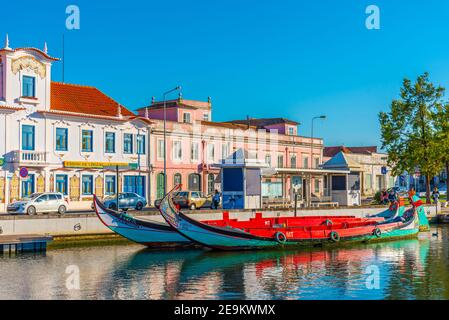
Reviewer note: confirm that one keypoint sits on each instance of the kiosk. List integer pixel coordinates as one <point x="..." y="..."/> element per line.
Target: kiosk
<point x="241" y="181"/>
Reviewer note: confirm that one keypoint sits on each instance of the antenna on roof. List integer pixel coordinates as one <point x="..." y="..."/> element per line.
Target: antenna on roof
<point x="248" y="119"/>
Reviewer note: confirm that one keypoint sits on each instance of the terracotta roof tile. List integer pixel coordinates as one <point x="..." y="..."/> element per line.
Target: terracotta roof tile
<point x="83" y="99"/>
<point x="332" y="151"/>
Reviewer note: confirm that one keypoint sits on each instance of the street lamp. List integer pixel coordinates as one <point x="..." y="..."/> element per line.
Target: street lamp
<point x="323" y="117"/>
<point x="178" y="88"/>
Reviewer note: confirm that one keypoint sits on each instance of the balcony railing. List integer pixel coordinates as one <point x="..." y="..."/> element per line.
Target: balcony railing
<point x="29" y="157"/>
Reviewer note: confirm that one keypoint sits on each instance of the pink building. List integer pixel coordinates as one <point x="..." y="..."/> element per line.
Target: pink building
<point x="195" y="143"/>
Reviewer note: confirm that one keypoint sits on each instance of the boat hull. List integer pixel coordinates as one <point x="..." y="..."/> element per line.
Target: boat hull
<point x="222" y="240"/>
<point x="148" y="233"/>
<point x="232" y="236"/>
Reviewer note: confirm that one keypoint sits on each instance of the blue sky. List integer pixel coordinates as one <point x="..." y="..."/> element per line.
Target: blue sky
<point x="289" y="58"/>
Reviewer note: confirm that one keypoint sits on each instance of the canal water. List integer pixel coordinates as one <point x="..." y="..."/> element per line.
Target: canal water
<point x="410" y="269"/>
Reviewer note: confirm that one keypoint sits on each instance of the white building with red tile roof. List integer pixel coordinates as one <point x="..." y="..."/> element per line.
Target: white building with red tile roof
<point x="65" y="135"/>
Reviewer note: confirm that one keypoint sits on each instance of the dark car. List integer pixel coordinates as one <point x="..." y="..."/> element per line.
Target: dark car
<point x="127" y="200"/>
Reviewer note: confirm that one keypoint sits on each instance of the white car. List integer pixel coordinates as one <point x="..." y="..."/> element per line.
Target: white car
<point x="39" y="203"/>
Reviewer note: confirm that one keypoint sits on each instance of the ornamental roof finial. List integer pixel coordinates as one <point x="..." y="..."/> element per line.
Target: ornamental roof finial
<point x="45" y="47"/>
<point x="153" y="100"/>
<point x="119" y="110"/>
<point x="146" y="113"/>
<point x="7" y="43"/>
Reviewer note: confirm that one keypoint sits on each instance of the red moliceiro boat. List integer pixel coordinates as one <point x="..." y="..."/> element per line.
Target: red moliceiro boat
<point x="258" y="232"/>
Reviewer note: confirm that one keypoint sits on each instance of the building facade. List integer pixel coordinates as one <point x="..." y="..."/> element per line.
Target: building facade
<point x="67" y="138"/>
<point x="372" y="165"/>
<point x="61" y="137"/>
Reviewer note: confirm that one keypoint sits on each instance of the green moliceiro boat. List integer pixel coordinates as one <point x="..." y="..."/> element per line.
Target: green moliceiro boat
<point x="282" y="232"/>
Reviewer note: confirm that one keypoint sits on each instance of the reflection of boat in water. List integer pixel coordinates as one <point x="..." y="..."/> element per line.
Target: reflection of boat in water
<point x="199" y="274"/>
<point x="284" y="232"/>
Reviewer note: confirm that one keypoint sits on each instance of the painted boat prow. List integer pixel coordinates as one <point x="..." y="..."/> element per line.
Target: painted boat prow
<point x="149" y="233"/>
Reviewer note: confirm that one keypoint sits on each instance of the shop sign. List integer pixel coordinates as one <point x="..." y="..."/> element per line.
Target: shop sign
<point x="95" y="164"/>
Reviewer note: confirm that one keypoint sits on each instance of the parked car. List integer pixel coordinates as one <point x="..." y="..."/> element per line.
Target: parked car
<point x="192" y="200"/>
<point x="127" y="200"/>
<point x="39" y="203"/>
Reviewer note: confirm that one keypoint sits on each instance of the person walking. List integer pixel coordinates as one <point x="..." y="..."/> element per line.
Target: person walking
<point x="216" y="199"/>
<point x="435" y="195"/>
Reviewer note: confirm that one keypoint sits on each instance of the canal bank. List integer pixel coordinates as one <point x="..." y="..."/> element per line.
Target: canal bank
<point x="73" y="230"/>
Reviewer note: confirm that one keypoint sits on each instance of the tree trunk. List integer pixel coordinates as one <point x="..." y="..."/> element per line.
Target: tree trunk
<point x="447" y="179"/>
<point x="428" y="189"/>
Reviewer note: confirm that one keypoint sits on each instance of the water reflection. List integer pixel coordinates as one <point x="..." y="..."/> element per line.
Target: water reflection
<point x="411" y="269"/>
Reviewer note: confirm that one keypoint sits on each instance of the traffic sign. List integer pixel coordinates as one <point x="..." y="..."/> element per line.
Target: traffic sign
<point x="23" y="172"/>
<point x="2" y="161"/>
<point x="384" y="170"/>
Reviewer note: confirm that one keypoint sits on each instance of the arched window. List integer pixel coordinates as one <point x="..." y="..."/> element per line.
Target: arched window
<point x="194" y="182"/>
<point x="177" y="179"/>
<point x="210" y="183"/>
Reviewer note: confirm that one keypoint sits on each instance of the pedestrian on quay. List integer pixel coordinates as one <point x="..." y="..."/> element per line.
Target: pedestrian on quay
<point x="435" y="195"/>
<point x="392" y="197"/>
<point x="411" y="193"/>
<point x="216" y="199"/>
<point x="384" y="197"/>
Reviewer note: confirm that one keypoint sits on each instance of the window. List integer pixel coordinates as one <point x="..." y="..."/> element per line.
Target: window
<point x="140" y="144"/>
<point x="206" y="116"/>
<point x="194" y="156"/>
<point x="28" y="137"/>
<point x="211" y="152"/>
<point x="61" y="139"/>
<point x="177" y="179"/>
<point x="305" y="162"/>
<point x="368" y="181"/>
<point x="109" y="142"/>
<point x="317" y="162"/>
<point x="293" y="161"/>
<point x="268" y="159"/>
<point x="280" y="161"/>
<point x="252" y="154"/>
<point x="210" y="183"/>
<point x="177" y="150"/>
<point x="160" y="149"/>
<point x="28" y="86"/>
<point x="317" y="185"/>
<point x="87" y="141"/>
<point x="224" y="150"/>
<point x="291" y="131"/>
<point x="127" y="143"/>
<point x="186" y="117"/>
<point x="109" y="185"/>
<point x="87" y="185"/>
<point x="61" y="184"/>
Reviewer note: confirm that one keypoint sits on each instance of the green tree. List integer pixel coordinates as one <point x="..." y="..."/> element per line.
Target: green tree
<point x="442" y="134"/>
<point x="409" y="132"/>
